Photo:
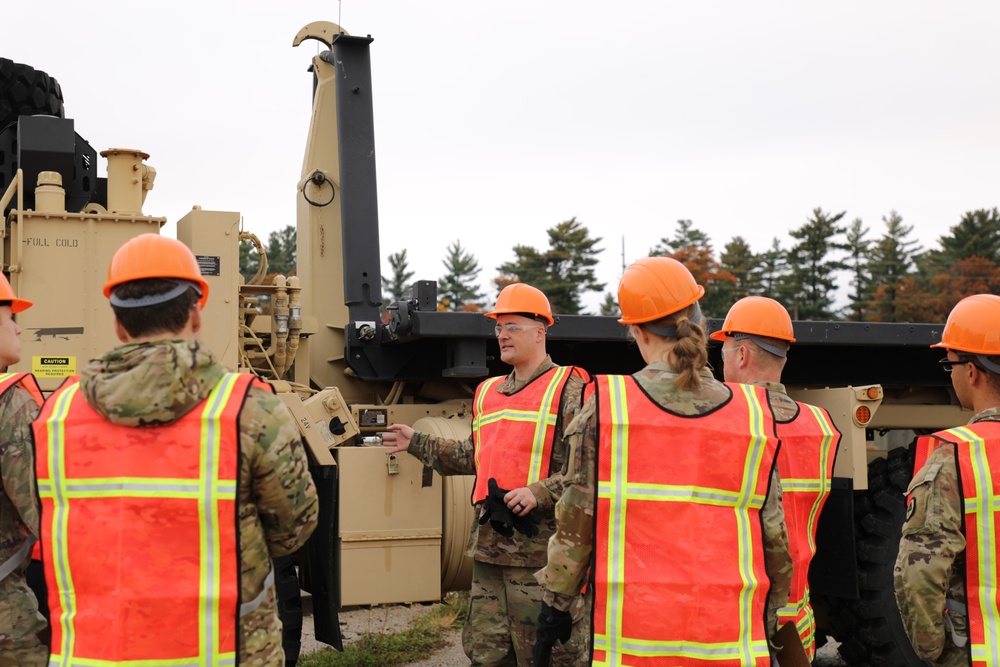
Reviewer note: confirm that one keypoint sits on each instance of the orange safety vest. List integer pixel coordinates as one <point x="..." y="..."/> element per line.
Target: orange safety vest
<point x="27" y="381"/>
<point x="805" y="464"/>
<point x="140" y="531"/>
<point x="679" y="574"/>
<point x="977" y="450"/>
<point x="513" y="434"/>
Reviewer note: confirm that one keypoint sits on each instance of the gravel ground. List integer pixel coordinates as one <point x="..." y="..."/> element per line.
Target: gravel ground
<point x="391" y="618"/>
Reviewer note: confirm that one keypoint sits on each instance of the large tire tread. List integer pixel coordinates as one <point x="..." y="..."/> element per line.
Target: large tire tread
<point x="25" y="91"/>
<point x="869" y="629"/>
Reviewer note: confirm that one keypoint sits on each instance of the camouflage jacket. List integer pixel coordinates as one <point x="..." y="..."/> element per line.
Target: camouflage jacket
<point x="930" y="564"/>
<point x="784" y="407"/>
<point x="19" y="500"/>
<point x="159" y="382"/>
<point x="457" y="457"/>
<point x="570" y="549"/>
<point x="780" y="570"/>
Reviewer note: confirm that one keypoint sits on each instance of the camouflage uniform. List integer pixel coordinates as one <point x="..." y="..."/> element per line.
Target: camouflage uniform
<point x="159" y="382"/>
<point x="785" y="409"/>
<point x="20" y="621"/>
<point x="503" y="583"/>
<point x="570" y="549"/>
<point x="783" y="406"/>
<point x="931" y="560"/>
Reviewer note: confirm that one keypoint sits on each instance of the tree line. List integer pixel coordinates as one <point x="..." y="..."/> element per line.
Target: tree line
<point x="889" y="276"/>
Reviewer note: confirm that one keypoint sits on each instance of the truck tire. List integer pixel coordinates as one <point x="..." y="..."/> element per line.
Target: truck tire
<point x="25" y="91"/>
<point x="870" y="629"/>
<point x="286" y="587"/>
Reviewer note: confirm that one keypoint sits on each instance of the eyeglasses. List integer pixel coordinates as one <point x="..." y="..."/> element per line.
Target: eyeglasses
<point x="726" y="353"/>
<point x="947" y="365"/>
<point x="512" y="328"/>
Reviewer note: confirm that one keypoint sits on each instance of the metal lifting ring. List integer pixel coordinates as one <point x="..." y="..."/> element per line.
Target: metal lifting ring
<point x="318" y="178"/>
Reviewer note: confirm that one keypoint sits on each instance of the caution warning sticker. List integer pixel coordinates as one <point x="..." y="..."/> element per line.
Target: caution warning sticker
<point x="53" y="367"/>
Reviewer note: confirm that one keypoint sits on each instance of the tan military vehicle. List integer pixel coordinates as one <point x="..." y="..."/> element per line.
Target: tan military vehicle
<point x="390" y="530"/>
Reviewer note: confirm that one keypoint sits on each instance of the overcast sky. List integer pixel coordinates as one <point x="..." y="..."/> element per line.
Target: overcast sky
<point x="495" y="121"/>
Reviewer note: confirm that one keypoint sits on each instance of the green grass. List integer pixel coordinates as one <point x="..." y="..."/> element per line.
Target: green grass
<point x="398" y="648"/>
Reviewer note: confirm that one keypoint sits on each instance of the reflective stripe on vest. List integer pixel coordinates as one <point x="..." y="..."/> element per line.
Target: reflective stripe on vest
<point x="26" y="380"/>
<point x="140" y="532"/>
<point x="977" y="449"/>
<point x="514" y="434"/>
<point x="675" y="494"/>
<point x="805" y="464"/>
<point x="30" y="544"/>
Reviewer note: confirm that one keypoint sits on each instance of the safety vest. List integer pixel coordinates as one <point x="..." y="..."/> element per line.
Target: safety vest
<point x="805" y="464"/>
<point x="513" y="434"/>
<point x="7" y="382"/>
<point x="140" y="532"/>
<point x="679" y="575"/>
<point x="977" y="450"/>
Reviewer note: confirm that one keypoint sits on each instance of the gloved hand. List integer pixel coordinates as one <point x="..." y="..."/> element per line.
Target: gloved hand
<point x="502" y="518"/>
<point x="496" y="511"/>
<point x="553" y="624"/>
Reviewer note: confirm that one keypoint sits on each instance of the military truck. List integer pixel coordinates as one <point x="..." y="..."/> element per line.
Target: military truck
<point x="346" y="365"/>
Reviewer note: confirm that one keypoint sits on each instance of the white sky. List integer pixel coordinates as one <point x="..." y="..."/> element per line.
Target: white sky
<point x="495" y="121"/>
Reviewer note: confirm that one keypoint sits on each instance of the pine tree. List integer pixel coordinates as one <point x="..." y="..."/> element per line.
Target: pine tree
<point x="857" y="262"/>
<point x="890" y="261"/>
<point x="249" y="260"/>
<point x="685" y="236"/>
<point x="739" y="260"/>
<point x="457" y="288"/>
<point x="811" y="281"/>
<point x="977" y="234"/>
<point x="399" y="282"/>
<point x="609" y="307"/>
<point x="772" y="272"/>
<point x="281" y="251"/>
<point x="563" y="272"/>
<point x="528" y="267"/>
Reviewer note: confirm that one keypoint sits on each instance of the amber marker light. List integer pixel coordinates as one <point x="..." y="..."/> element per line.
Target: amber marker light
<point x="862" y="414"/>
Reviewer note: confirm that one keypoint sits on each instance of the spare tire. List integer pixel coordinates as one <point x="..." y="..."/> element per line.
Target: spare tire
<point x="870" y="629"/>
<point x="26" y="91"/>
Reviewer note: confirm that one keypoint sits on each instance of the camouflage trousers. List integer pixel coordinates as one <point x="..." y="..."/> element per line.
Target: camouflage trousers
<point x="260" y="635"/>
<point x="20" y="624"/>
<point x="503" y="611"/>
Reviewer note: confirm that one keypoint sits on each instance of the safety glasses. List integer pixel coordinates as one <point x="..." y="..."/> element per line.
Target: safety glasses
<point x="947" y="365"/>
<point x="512" y="328"/>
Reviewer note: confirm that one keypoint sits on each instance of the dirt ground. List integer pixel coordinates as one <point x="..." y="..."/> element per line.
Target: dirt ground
<point x="354" y="623"/>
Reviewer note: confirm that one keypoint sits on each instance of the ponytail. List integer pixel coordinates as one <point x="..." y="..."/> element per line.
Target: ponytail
<point x="689" y="352"/>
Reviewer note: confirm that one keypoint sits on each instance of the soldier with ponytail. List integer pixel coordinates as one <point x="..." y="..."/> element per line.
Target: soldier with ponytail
<point x="673" y="521"/>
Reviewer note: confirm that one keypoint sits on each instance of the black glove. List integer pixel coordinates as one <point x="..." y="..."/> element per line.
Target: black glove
<point x="496" y="511"/>
<point x="526" y="525"/>
<point x="502" y="518"/>
<point x="552" y="625"/>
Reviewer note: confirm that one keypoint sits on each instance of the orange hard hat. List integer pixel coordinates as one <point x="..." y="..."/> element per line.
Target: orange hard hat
<point x="653" y="287"/>
<point x="973" y="326"/>
<point x="7" y="294"/>
<point x="757" y="316"/>
<point x="522" y="298"/>
<point x="154" y="256"/>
